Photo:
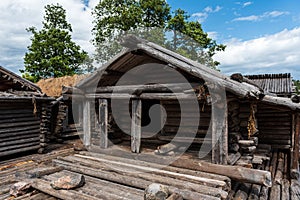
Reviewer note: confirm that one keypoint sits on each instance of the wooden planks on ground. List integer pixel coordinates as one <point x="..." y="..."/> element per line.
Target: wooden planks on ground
<point x="138" y="175"/>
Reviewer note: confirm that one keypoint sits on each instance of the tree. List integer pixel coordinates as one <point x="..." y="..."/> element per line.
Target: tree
<point x="114" y="18"/>
<point x="297" y="86"/>
<point x="190" y="40"/>
<point x="151" y="20"/>
<point x="52" y="52"/>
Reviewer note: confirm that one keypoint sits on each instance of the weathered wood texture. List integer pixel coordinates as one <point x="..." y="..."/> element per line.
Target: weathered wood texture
<point x="275" y="126"/>
<point x="20" y="128"/>
<point x="295" y="162"/>
<point x="19" y="168"/>
<point x="136" y="125"/>
<point x="139" y="175"/>
<point x="194" y="127"/>
<point x="87" y="129"/>
<point x="103" y="122"/>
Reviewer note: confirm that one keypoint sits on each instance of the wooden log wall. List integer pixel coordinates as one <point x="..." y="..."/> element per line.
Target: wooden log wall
<point x="173" y="111"/>
<point x="122" y="129"/>
<point x="244" y="113"/>
<point x="19" y="127"/>
<point x="275" y="126"/>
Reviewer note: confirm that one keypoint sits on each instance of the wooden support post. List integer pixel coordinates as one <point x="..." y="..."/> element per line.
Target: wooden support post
<point x="87" y="131"/>
<point x="295" y="167"/>
<point x="163" y="118"/>
<point x="66" y="121"/>
<point x="136" y="124"/>
<point x="103" y="117"/>
<point x="219" y="134"/>
<point x="80" y="114"/>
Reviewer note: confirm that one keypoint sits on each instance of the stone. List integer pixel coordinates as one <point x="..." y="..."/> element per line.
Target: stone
<point x="68" y="182"/>
<point x="156" y="192"/>
<point x="19" y="188"/>
<point x="175" y="196"/>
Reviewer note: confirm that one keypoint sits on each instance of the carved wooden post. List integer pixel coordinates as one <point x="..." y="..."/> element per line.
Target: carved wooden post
<point x="136" y="125"/>
<point x="87" y="131"/>
<point x="103" y="117"/>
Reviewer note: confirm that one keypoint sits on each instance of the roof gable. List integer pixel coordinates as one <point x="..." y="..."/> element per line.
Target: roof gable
<point x="136" y="46"/>
<point x="12" y="81"/>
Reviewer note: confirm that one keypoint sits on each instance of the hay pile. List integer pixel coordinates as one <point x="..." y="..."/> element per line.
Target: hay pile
<point x="53" y="86"/>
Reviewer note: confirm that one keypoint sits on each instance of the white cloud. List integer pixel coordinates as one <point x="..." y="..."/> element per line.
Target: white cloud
<point x="248" y="3"/>
<point x="248" y="18"/>
<point x="274" y="14"/>
<point x="202" y="16"/>
<point x="211" y="10"/>
<point x="213" y="35"/>
<point x="278" y="53"/>
<point x="265" y="15"/>
<point x="17" y="15"/>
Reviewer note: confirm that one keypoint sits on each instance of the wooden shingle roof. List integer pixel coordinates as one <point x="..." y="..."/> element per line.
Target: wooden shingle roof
<point x="280" y="84"/>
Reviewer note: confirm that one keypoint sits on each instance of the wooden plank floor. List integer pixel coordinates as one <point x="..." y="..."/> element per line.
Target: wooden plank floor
<point x="12" y="169"/>
<point x="126" y="172"/>
<point x="113" y="175"/>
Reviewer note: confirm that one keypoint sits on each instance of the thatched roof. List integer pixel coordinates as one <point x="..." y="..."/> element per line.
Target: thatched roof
<point x="53" y="86"/>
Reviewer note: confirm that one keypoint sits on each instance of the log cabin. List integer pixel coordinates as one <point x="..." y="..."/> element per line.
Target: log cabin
<point x="23" y="115"/>
<point x="236" y="125"/>
<point x="234" y="121"/>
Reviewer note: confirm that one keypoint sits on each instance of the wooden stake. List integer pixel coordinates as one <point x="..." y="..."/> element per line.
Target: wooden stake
<point x="295" y="167"/>
<point x="136" y="125"/>
<point x="87" y="132"/>
<point x="103" y="116"/>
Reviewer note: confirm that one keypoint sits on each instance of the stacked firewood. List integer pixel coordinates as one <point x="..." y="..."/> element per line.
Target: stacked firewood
<point x="241" y="148"/>
<point x="60" y="118"/>
<point x="45" y="127"/>
<point x="247" y="149"/>
<point x="234" y="134"/>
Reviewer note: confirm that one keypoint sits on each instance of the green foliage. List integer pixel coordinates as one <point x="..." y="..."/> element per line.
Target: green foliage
<point x="29" y="77"/>
<point x="52" y="52"/>
<point x="114" y="18"/>
<point x="151" y="20"/>
<point x="297" y="85"/>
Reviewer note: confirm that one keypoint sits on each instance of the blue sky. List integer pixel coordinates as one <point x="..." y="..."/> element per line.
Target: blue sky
<point x="261" y="36"/>
<point x="242" y="19"/>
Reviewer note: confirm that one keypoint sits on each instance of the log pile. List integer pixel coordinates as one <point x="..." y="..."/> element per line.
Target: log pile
<point x="15" y="170"/>
<point x="131" y="173"/>
<point x="114" y="177"/>
<point x="60" y="118"/>
<point x="45" y="129"/>
<point x="281" y="186"/>
<point x="234" y="132"/>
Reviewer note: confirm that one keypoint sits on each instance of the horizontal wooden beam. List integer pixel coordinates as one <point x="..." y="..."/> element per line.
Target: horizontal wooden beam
<point x="158" y="96"/>
<point x="175" y="87"/>
<point x="281" y="101"/>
